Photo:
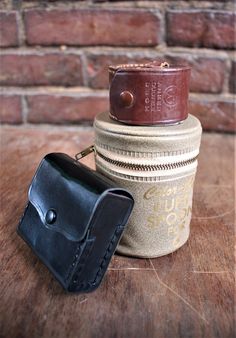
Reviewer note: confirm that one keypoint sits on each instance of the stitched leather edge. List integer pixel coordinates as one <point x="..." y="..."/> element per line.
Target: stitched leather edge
<point x="100" y="271"/>
<point x="108" y="253"/>
<point x="73" y="274"/>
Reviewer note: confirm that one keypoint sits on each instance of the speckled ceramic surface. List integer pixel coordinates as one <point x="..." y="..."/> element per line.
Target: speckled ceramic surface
<point x="157" y="165"/>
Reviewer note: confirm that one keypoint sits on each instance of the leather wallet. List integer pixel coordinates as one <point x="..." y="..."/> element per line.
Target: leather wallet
<point x="73" y="221"/>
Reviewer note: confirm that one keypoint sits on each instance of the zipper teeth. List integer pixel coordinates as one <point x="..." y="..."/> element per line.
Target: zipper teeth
<point x="146" y="167"/>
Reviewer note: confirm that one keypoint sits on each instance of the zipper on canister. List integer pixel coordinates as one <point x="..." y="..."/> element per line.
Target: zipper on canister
<point x="147" y="167"/>
<point x="135" y="166"/>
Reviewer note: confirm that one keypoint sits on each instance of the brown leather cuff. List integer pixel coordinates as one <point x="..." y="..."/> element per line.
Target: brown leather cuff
<point x="146" y="94"/>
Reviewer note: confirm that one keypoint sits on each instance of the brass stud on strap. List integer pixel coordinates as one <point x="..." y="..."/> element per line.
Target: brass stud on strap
<point x="127" y="99"/>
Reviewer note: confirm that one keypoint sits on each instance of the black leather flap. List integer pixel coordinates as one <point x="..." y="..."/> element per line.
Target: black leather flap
<point x="65" y="194"/>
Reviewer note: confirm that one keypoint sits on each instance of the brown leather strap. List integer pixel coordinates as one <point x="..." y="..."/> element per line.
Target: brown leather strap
<point x="146" y="94"/>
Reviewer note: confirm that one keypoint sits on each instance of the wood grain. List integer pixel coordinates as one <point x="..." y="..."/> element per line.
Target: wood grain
<point x="189" y="293"/>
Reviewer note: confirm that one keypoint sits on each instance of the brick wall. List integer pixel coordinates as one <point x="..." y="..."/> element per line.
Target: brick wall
<point x="55" y="54"/>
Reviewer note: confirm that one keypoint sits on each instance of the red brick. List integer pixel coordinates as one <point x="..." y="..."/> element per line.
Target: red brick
<point x="232" y="81"/>
<point x="8" y="29"/>
<point x="10" y="109"/>
<point x="207" y="73"/>
<point x="98" y="66"/>
<point x="196" y="28"/>
<point x="92" y="27"/>
<point x="214" y="114"/>
<point x="65" y="109"/>
<point x="47" y="69"/>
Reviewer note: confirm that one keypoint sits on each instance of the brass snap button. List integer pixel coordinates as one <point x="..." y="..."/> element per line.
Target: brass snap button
<point x="51" y="216"/>
<point x="127" y="99"/>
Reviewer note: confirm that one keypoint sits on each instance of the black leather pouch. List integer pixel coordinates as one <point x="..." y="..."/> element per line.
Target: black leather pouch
<point x="74" y="220"/>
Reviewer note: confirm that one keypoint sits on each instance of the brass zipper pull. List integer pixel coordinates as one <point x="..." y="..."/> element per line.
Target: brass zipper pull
<point x="85" y="152"/>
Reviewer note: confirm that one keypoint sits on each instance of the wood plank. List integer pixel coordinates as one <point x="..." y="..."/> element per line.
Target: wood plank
<point x="186" y="294"/>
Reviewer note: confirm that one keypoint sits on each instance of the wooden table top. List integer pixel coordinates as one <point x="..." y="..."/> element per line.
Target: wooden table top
<point x="189" y="293"/>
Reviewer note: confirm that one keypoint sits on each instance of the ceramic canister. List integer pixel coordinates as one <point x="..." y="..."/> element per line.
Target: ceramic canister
<point x="157" y="164"/>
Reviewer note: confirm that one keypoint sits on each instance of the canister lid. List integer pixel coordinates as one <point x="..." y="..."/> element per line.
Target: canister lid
<point x="189" y="126"/>
<point x="183" y="136"/>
